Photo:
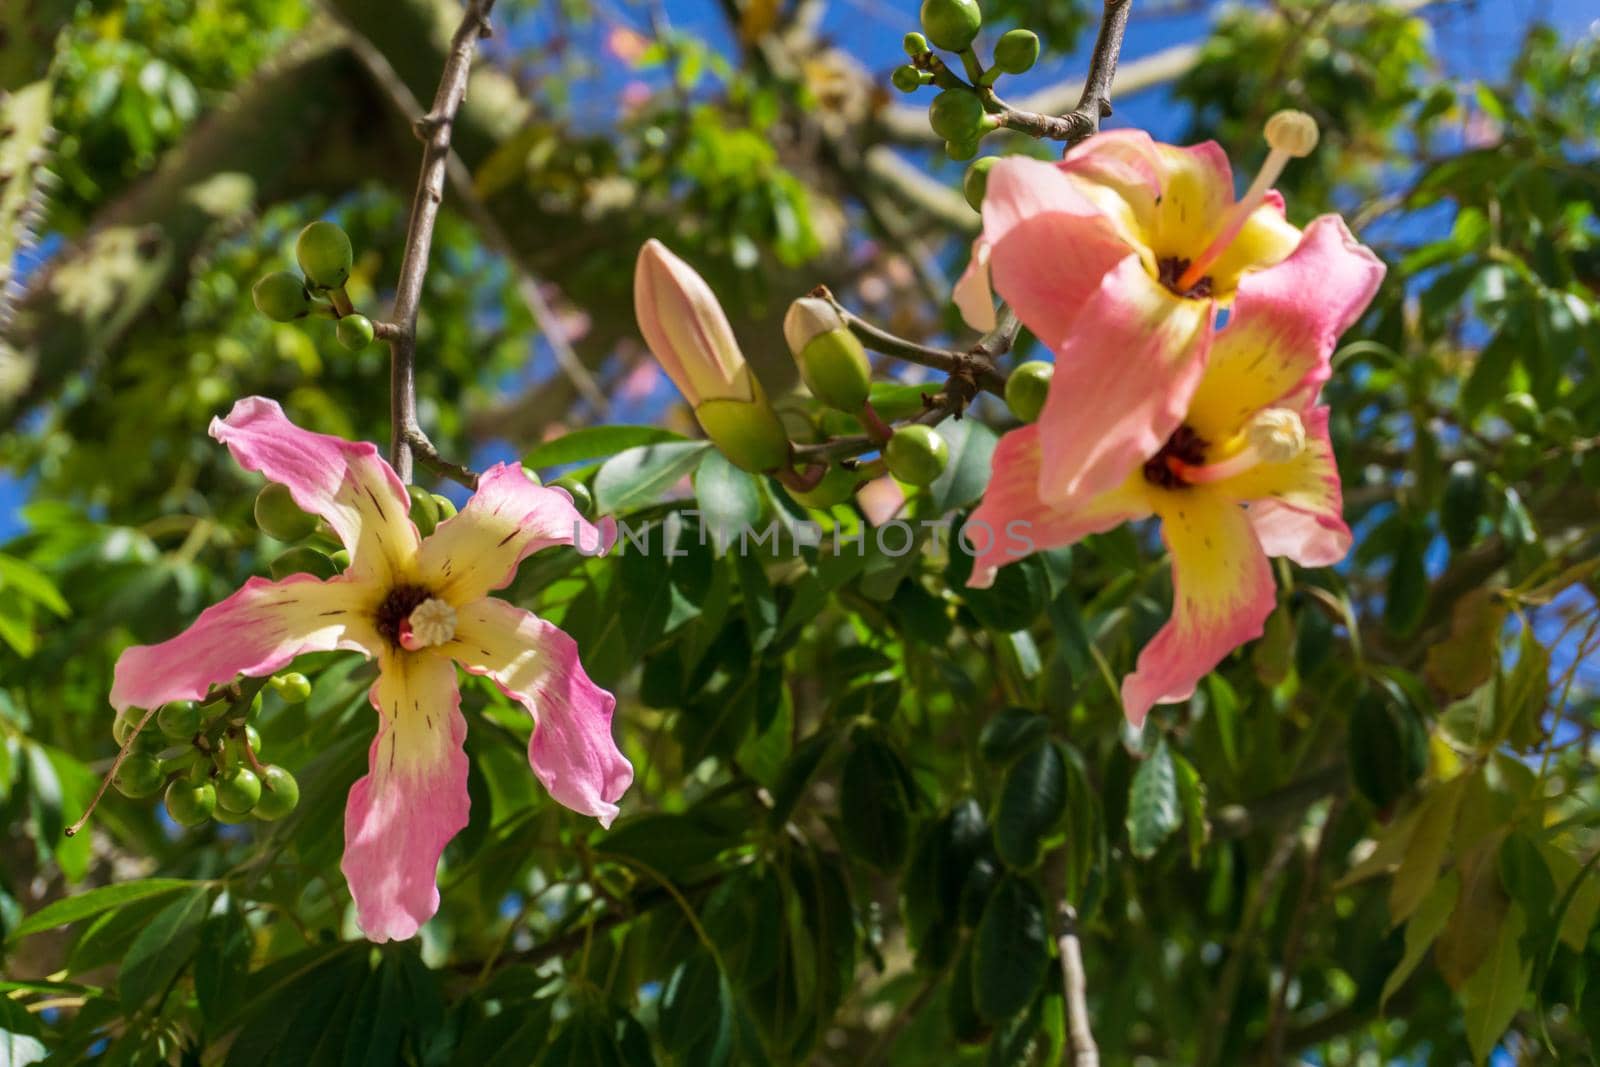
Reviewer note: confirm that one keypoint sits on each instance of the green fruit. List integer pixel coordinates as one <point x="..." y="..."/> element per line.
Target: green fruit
<point x="124" y="722"/>
<point x="424" y="510"/>
<point x="190" y="803"/>
<point x="180" y="720"/>
<point x="961" y="150"/>
<point x="279" y="517"/>
<point x="1017" y="51"/>
<point x="183" y="762"/>
<point x="324" y="254"/>
<point x="1466" y="496"/>
<point x="139" y="776"/>
<point x="279" y="793"/>
<point x="837" y="486"/>
<point x="252" y="737"/>
<point x="907" y="79"/>
<point x="238" y="790"/>
<point x="230" y="818"/>
<point x="1521" y="411"/>
<point x="916" y="454"/>
<point x="354" y="332"/>
<point x="1027" y="387"/>
<point x="292" y="688"/>
<point x="976" y="181"/>
<point x="956" y="115"/>
<point x="302" y="560"/>
<point x="582" y="499"/>
<point x="951" y="24"/>
<point x="281" y="296"/>
<point x="915" y="44"/>
<point x="1560" y="426"/>
<point x="447" y="508"/>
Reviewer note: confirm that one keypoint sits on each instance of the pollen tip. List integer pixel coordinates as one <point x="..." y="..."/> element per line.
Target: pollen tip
<point x="1277" y="435"/>
<point x="1293" y="133"/>
<point x="432" y="622"/>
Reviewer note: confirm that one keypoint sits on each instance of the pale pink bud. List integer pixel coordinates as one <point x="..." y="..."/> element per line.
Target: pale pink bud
<point x="686" y="328"/>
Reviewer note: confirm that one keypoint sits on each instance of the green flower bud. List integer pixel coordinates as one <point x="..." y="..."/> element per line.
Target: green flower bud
<point x="139" y="776"/>
<point x="190" y="803"/>
<point x="424" y="510"/>
<point x="951" y="24"/>
<point x="916" y="454"/>
<point x="302" y="560"/>
<point x="180" y="720"/>
<point x="582" y="499"/>
<point x="281" y="296"/>
<point x="956" y="115"/>
<point x="961" y="150"/>
<point x="907" y="79"/>
<point x="1027" y="387"/>
<point x="1521" y="411"/>
<point x="122" y="725"/>
<point x="831" y="359"/>
<point x="748" y="433"/>
<point x="252" y="737"/>
<point x="238" y="790"/>
<point x="279" y="793"/>
<point x="229" y="818"/>
<point x="324" y="253"/>
<point x="837" y="486"/>
<point x="279" y="517"/>
<point x="292" y="688"/>
<point x="1017" y="51"/>
<point x="976" y="181"/>
<point x="447" y="507"/>
<point x="354" y="332"/>
<point x="915" y="44"/>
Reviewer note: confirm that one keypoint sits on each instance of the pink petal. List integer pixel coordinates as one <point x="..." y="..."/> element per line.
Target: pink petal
<point x="254" y="632"/>
<point x="1297" y="508"/>
<point x="1222" y="593"/>
<point x="536" y="664"/>
<point x="508" y="519"/>
<point x="1050" y="244"/>
<point x="1122" y="382"/>
<point x="345" y="482"/>
<point x="1013" y="522"/>
<point x="413" y="799"/>
<point x="972" y="295"/>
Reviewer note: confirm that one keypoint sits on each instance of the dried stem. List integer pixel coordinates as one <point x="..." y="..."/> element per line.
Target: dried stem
<point x="434" y="128"/>
<point x="1085" y="1053"/>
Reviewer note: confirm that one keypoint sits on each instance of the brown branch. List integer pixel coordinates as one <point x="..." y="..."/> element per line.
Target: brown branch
<point x="1085" y="1053"/>
<point x="1278" y="1016"/>
<point x="434" y="129"/>
<point x="423" y="452"/>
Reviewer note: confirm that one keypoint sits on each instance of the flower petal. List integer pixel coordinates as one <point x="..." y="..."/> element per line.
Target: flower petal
<point x="1266" y="238"/>
<point x="972" y="295"/>
<point x="536" y="664"/>
<point x="346" y="482"/>
<point x="1050" y="243"/>
<point x="413" y="799"/>
<point x="1283" y="329"/>
<point x="1013" y="522"/>
<point x="254" y="632"/>
<point x="1297" y="508"/>
<point x="508" y="519"/>
<point x="1122" y="382"/>
<point x="1222" y="593"/>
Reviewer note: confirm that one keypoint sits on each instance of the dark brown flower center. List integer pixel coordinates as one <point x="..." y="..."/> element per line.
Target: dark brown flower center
<point x="396" y="609"/>
<point x="1169" y="270"/>
<point x="1185" y="447"/>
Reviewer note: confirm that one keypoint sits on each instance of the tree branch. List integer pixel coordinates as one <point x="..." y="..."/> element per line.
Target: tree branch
<point x="1085" y="1053"/>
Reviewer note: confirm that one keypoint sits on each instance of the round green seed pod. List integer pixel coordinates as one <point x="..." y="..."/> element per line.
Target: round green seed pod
<point x="975" y="183"/>
<point x="915" y="44"/>
<point x="183" y="762"/>
<point x="1027" y="388"/>
<point x="303" y="560"/>
<point x="190" y="803"/>
<point x="123" y="723"/>
<point x="956" y="115"/>
<point x="180" y="720"/>
<point x="280" y="793"/>
<point x="907" y="79"/>
<point x="292" y="688"/>
<point x="582" y="498"/>
<point x="324" y="254"/>
<point x="424" y="510"/>
<point x="951" y="24"/>
<point x="1017" y="51"/>
<point x="253" y="737"/>
<point x="281" y="296"/>
<point x="238" y="790"/>
<point x="139" y="776"/>
<point x="279" y="517"/>
<point x="354" y="332"/>
<point x="961" y="150"/>
<point x="230" y="818"/>
<point x="447" y="507"/>
<point x="916" y="454"/>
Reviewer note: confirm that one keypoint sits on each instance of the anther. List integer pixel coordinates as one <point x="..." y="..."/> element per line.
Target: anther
<point x="432" y="622"/>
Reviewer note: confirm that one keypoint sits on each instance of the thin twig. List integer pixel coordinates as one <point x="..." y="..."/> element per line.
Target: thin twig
<point x="434" y="128"/>
<point x="423" y="451"/>
<point x="1085" y="1053"/>
<point x="1278" y="1017"/>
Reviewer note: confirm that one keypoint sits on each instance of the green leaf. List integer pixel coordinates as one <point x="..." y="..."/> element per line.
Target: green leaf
<point x="1491" y="997"/>
<point x="673" y="844"/>
<point x="1419" y="869"/>
<point x="730" y="500"/>
<point x="691" y="1002"/>
<point x="1011" y="732"/>
<point x="31" y="583"/>
<point x="1011" y="951"/>
<point x="1033" y="800"/>
<point x="1407" y="598"/>
<point x="596" y="442"/>
<point x="641" y="475"/>
<point x="163" y="948"/>
<point x="1153" y="809"/>
<point x="1192" y="796"/>
<point x="1425" y="925"/>
<point x="94" y="901"/>
<point x="874" y="803"/>
<point x="20" y="1043"/>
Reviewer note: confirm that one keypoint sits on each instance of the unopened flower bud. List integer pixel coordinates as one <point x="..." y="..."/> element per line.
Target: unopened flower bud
<point x="424" y="510"/>
<point x="836" y="487"/>
<point x="324" y="254"/>
<point x="1293" y="133"/>
<point x="1017" y="51"/>
<point x="916" y="454"/>
<point x="830" y="357"/>
<point x="951" y="24"/>
<point x="281" y="296"/>
<point x="906" y="78"/>
<point x="1277" y="435"/>
<point x="1027" y="388"/>
<point x="956" y="115"/>
<point x="279" y="517"/>
<point x="915" y="44"/>
<point x="975" y="183"/>
<point x="355" y="332"/>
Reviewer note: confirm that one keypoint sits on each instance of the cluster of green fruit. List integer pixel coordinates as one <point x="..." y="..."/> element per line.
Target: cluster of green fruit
<point x="325" y="256"/>
<point x="963" y="111"/>
<point x="206" y="756"/>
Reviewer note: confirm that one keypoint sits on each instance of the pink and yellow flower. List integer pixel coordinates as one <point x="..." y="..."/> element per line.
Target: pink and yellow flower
<point x="419" y="607"/>
<point x="1128" y="246"/>
<point x="1246" y="472"/>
